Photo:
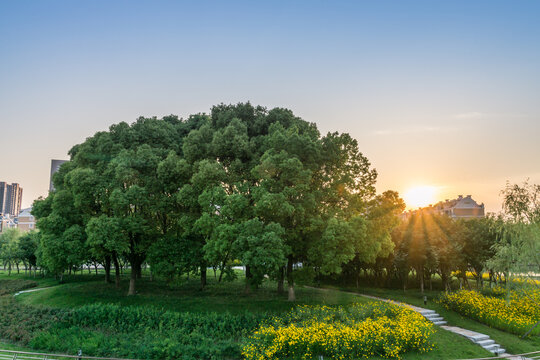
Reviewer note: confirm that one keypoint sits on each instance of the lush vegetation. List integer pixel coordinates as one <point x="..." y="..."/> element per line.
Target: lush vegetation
<point x="375" y="329"/>
<point x="241" y="185"/>
<point x="517" y="314"/>
<point x="78" y="292"/>
<point x="167" y="321"/>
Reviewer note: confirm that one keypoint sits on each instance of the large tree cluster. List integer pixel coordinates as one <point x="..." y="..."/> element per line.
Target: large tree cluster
<point x="260" y="187"/>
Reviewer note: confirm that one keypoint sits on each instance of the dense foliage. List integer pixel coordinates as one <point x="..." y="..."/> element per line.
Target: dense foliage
<point x="247" y="184"/>
<point x="374" y="329"/>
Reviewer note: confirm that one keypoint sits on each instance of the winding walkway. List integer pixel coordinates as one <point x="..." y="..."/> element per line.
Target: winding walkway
<point x="31" y="290"/>
<point x="478" y="338"/>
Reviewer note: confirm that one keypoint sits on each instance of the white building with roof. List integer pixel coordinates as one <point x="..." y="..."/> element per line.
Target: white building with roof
<point x="26" y="221"/>
<point x="460" y="208"/>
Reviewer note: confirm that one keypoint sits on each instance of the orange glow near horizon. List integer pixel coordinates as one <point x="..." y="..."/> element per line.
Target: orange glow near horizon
<point x="420" y="196"/>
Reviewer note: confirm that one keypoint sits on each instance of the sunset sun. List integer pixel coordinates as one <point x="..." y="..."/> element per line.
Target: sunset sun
<point x="420" y="196"/>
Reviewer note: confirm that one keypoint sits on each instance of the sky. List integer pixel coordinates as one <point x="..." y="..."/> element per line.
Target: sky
<point x="440" y="94"/>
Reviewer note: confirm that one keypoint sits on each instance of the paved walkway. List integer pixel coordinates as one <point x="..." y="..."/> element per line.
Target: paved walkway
<point x="30" y="290"/>
<point x="476" y="337"/>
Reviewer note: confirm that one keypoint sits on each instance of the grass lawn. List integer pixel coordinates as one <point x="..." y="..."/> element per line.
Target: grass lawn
<point x="512" y="343"/>
<point x="185" y="297"/>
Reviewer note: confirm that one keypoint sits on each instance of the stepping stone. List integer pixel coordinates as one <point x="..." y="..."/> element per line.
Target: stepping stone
<point x="486" y="342"/>
<point x="477" y="338"/>
<point x="493" y="347"/>
<point x="424" y="311"/>
<point x="436" y="319"/>
<point x="439" y="322"/>
<point x="431" y="315"/>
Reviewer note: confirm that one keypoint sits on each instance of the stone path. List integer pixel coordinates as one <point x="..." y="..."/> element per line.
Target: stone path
<point x="31" y="290"/>
<point x="476" y="337"/>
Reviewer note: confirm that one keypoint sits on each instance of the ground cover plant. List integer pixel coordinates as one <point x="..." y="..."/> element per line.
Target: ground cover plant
<point x="359" y="330"/>
<point x="516" y="314"/>
<point x="12" y="286"/>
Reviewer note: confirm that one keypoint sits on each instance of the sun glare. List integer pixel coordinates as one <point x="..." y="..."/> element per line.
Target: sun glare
<point x="420" y="196"/>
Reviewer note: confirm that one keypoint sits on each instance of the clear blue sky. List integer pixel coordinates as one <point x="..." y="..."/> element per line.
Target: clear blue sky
<point x="442" y="93"/>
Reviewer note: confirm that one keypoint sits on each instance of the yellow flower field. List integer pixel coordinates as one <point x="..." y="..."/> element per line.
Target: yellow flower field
<point x="517" y="315"/>
<point x="341" y="333"/>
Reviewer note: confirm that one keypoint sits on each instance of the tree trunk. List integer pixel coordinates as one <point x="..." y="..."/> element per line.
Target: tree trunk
<point x="247" y="288"/>
<point x="138" y="271"/>
<point x="290" y="279"/>
<point x="203" y="276"/>
<point x="135" y="264"/>
<point x="132" y="280"/>
<point x="107" y="269"/>
<point x="116" y="270"/>
<point x="220" y="273"/>
<point x="421" y="278"/>
<point x="281" y="280"/>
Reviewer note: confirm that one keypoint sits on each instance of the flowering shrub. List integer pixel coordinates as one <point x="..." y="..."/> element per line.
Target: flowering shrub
<point x="341" y="333"/>
<point x="516" y="315"/>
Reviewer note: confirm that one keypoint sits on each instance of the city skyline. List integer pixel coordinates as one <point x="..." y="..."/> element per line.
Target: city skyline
<point x="438" y="96"/>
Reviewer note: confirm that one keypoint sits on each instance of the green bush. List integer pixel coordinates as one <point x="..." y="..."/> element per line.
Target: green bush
<point x="135" y="332"/>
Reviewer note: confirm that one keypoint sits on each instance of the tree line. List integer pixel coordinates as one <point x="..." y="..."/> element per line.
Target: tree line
<point x="261" y="188"/>
<point x="505" y="246"/>
<point x="243" y="183"/>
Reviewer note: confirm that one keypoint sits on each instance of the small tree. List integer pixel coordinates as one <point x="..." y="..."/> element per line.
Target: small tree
<point x="9" y="248"/>
<point x="518" y="239"/>
<point x="28" y="244"/>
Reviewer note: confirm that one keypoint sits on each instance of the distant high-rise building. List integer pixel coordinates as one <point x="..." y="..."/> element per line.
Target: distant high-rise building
<point x="55" y="166"/>
<point x="10" y="198"/>
<point x="3" y="190"/>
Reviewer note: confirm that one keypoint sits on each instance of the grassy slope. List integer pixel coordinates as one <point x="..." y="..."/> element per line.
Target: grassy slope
<point x="512" y="343"/>
<point x="182" y="297"/>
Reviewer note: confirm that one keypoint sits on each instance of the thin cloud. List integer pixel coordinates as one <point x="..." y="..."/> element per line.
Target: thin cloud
<point x="470" y="115"/>
<point x="413" y="130"/>
<point x="480" y="115"/>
